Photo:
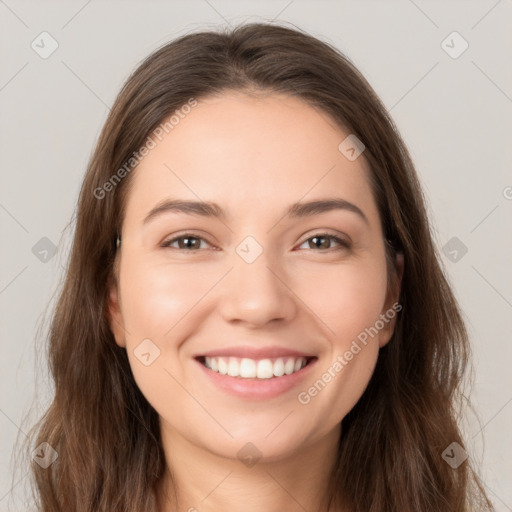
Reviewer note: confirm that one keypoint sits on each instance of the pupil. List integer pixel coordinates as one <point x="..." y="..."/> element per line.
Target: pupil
<point x="325" y="245"/>
<point x="189" y="239"/>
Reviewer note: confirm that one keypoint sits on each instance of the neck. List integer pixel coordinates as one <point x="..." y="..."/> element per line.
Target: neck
<point x="197" y="480"/>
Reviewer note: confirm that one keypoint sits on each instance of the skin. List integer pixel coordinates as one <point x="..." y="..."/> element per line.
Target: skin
<point x="254" y="156"/>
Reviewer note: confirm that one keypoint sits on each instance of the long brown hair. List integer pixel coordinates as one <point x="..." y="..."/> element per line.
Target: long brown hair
<point x="110" y="455"/>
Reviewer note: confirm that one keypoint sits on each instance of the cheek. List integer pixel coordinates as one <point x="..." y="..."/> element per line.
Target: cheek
<point x="346" y="298"/>
<point x="157" y="297"/>
<point x="348" y="301"/>
<point x="342" y="298"/>
<point x="169" y="303"/>
<point x="157" y="303"/>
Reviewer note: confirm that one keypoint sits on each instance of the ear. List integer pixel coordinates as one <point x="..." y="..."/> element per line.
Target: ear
<point x="392" y="307"/>
<point x="114" y="314"/>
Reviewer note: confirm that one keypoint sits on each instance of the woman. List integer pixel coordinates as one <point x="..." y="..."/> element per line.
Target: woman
<point x="254" y="315"/>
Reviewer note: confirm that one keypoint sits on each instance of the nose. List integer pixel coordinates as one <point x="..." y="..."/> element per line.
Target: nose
<point x="257" y="293"/>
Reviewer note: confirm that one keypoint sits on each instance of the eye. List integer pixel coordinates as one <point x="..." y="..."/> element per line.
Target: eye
<point x="191" y="243"/>
<point x="319" y="238"/>
<point x="185" y="242"/>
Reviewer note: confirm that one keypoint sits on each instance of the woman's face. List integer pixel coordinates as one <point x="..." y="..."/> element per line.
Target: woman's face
<point x="251" y="286"/>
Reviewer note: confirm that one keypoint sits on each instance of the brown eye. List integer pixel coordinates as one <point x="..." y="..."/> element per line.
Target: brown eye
<point x="186" y="242"/>
<point x="323" y="241"/>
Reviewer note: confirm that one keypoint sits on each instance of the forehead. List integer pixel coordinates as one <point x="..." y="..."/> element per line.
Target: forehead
<point x="250" y="152"/>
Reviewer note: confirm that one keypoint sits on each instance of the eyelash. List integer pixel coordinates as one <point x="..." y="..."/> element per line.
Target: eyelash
<point x="343" y="243"/>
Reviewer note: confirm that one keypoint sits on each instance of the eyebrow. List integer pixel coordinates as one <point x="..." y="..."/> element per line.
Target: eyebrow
<point x="210" y="209"/>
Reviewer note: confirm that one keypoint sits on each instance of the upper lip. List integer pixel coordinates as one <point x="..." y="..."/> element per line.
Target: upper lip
<point x="254" y="352"/>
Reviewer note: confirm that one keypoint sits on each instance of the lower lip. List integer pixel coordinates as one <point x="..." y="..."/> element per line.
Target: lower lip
<point x="257" y="389"/>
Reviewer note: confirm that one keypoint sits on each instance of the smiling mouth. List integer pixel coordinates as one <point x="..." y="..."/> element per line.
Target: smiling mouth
<point x="246" y="368"/>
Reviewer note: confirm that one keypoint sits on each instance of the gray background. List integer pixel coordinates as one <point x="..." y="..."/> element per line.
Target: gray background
<point x="454" y="114"/>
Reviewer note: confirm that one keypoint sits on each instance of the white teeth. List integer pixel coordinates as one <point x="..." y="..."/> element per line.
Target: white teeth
<point x="279" y="367"/>
<point x="250" y="368"/>
<point x="223" y="367"/>
<point x="265" y="370"/>
<point x="289" y="366"/>
<point x="233" y="367"/>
